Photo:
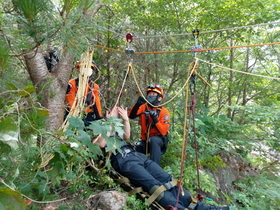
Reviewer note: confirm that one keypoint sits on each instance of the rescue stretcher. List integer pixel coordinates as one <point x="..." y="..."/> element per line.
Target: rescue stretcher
<point x="144" y="196"/>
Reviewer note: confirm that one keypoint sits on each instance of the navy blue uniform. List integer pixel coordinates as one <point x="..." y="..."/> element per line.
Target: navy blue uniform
<point x="145" y="173"/>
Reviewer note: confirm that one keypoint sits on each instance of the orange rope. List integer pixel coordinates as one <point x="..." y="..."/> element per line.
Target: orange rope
<point x="161" y="52"/>
<point x="108" y="48"/>
<point x="252" y="45"/>
<point x="184" y="51"/>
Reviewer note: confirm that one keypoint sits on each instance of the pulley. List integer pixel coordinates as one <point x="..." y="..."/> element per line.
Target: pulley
<point x="129" y="37"/>
<point x="197" y="48"/>
<point x="129" y="49"/>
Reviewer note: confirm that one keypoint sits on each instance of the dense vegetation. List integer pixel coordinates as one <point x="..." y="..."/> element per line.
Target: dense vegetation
<point x="237" y="112"/>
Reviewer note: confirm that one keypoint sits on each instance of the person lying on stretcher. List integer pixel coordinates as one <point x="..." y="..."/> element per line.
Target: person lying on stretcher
<point x="145" y="173"/>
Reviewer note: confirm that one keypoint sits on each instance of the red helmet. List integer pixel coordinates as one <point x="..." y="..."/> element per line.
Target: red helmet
<point x="93" y="65"/>
<point x="154" y="87"/>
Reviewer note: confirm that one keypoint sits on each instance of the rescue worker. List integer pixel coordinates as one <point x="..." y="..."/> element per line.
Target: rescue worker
<point x="145" y="173"/>
<point x="92" y="95"/>
<point x="154" y="122"/>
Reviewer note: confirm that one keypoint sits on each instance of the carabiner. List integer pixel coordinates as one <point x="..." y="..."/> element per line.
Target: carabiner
<point x="197" y="48"/>
<point x="195" y="33"/>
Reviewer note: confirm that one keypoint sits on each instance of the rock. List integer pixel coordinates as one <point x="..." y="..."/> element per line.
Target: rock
<point x="237" y="169"/>
<point x="106" y="200"/>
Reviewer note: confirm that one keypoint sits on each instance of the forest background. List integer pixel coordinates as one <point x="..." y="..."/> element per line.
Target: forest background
<point x="237" y="112"/>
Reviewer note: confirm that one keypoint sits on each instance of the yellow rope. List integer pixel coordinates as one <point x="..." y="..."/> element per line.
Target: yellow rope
<point x="124" y="80"/>
<point x="141" y="93"/>
<point x="242" y="72"/>
<point x="185" y="121"/>
<point x="79" y="102"/>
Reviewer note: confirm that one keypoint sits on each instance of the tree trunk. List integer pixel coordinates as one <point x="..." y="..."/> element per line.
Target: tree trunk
<point x="50" y="86"/>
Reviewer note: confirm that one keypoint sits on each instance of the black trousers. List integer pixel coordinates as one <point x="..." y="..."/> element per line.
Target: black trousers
<point x="156" y="147"/>
<point x="145" y="173"/>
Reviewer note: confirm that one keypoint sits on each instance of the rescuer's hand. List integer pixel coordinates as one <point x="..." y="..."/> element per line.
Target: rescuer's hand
<point x="154" y="116"/>
<point x="140" y="101"/>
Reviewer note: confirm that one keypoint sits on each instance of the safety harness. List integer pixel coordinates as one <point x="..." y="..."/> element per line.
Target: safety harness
<point x="150" y="125"/>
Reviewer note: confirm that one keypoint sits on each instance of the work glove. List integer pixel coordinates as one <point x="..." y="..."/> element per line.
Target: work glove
<point x="154" y="116"/>
<point x="133" y="112"/>
<point x="140" y="101"/>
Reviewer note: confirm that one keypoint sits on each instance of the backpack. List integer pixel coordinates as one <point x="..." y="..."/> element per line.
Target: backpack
<point x="51" y="60"/>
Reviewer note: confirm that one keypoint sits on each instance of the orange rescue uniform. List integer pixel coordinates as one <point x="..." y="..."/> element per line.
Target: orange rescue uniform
<point x="145" y="120"/>
<point x="91" y="96"/>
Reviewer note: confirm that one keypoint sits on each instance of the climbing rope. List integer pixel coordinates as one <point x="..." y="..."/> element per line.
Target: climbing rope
<point x="186" y="131"/>
<point x="211" y="49"/>
<point x="213" y="31"/>
<point x="162" y="104"/>
<point x="123" y="83"/>
<point x="79" y="102"/>
<point x="193" y="127"/>
<point x="188" y="128"/>
<point x="192" y="75"/>
<point x="192" y="105"/>
<point x="192" y="120"/>
<point x="191" y="78"/>
<point x="205" y="32"/>
<point x="242" y="72"/>
<point x="202" y="50"/>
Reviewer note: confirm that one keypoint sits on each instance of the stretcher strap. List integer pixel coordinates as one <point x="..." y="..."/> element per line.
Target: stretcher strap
<point x="159" y="190"/>
<point x="193" y="202"/>
<point x="135" y="190"/>
<point x="122" y="180"/>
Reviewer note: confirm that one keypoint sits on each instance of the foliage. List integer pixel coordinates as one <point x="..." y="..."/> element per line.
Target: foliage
<point x="10" y="199"/>
<point x="63" y="165"/>
<point x="213" y="134"/>
<point x="258" y="193"/>
<point x="213" y="162"/>
<point x="236" y="112"/>
<point x="135" y="204"/>
<point x="9" y="133"/>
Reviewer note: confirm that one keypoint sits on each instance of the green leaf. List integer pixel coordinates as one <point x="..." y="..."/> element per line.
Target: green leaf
<point x="12" y="86"/>
<point x="9" y="132"/>
<point x="70" y="153"/>
<point x="42" y="112"/>
<point x="10" y="200"/>
<point x="4" y="148"/>
<point x="26" y="91"/>
<point x="95" y="149"/>
<point x="44" y="188"/>
<point x="42" y="174"/>
<point x="69" y="132"/>
<point x="78" y="158"/>
<point x="100" y="127"/>
<point x="76" y="123"/>
<point x="4" y="50"/>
